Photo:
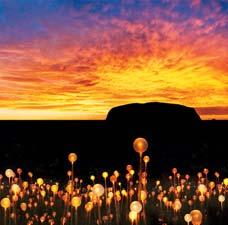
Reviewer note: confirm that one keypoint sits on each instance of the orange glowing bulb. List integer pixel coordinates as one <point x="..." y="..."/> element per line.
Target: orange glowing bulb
<point x="196" y="217"/>
<point x="23" y="206"/>
<point x="146" y="159"/>
<point x="140" y="145"/>
<point x="72" y="157"/>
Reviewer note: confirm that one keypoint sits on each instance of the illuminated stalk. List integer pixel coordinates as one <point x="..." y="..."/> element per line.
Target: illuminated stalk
<point x="76" y="216"/>
<point x="4" y="216"/>
<point x="72" y="176"/>
<point x="99" y="211"/>
<point x="140" y="174"/>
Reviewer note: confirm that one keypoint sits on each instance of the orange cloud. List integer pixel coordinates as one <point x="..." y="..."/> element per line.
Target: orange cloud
<point x="84" y="65"/>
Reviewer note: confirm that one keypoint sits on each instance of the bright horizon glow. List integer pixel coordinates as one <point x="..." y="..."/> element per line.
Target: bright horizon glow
<point x="57" y="115"/>
<point x="74" y="60"/>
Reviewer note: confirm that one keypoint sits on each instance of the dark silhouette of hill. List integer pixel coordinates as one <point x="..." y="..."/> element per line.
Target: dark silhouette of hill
<point x="153" y="112"/>
<point x="170" y="121"/>
<point x="177" y="138"/>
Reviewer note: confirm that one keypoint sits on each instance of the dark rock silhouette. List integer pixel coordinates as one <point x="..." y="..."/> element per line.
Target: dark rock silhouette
<point x="169" y="117"/>
<point x="153" y="112"/>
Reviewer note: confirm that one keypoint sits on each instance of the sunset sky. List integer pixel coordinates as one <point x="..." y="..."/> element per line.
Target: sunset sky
<point x="65" y="59"/>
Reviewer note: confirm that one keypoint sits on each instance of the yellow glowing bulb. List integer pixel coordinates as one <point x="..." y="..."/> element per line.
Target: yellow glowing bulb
<point x="43" y="193"/>
<point x="54" y="189"/>
<point x="177" y="205"/>
<point x="88" y="206"/>
<point x="105" y="175"/>
<point x="132" y="172"/>
<point x="9" y="173"/>
<point x="76" y="201"/>
<point x="188" y="218"/>
<point x="136" y="206"/>
<point x="15" y="189"/>
<point x="5" y="203"/>
<point x="133" y="215"/>
<point x="225" y="181"/>
<point x="40" y="181"/>
<point x="143" y="195"/>
<point x="25" y="184"/>
<point x="98" y="190"/>
<point x="202" y="189"/>
<point x="92" y="177"/>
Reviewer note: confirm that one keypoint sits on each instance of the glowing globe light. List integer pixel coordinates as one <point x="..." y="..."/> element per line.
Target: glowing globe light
<point x="196" y="217"/>
<point x="143" y="195"/>
<point x="98" y="190"/>
<point x="132" y="172"/>
<point x="110" y="194"/>
<point x="211" y="185"/>
<point x="133" y="216"/>
<point x="15" y="189"/>
<point x="23" y="206"/>
<point x="187" y="218"/>
<point x="76" y="202"/>
<point x="129" y="167"/>
<point x="124" y="193"/>
<point x="72" y="157"/>
<point x="9" y="173"/>
<point x="25" y="184"/>
<point x="5" y="203"/>
<point x="30" y="174"/>
<point x="202" y="189"/>
<point x="92" y="177"/>
<point x="136" y="206"/>
<point x="69" y="188"/>
<point x="140" y="145"/>
<point x="54" y="188"/>
<point x="221" y="198"/>
<point x="177" y="205"/>
<point x="19" y="171"/>
<point x="225" y="181"/>
<point x="88" y="206"/>
<point x="174" y="170"/>
<point x="40" y="181"/>
<point x="116" y="173"/>
<point x="43" y="193"/>
<point x="146" y="159"/>
<point x="105" y="175"/>
<point x="113" y="179"/>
